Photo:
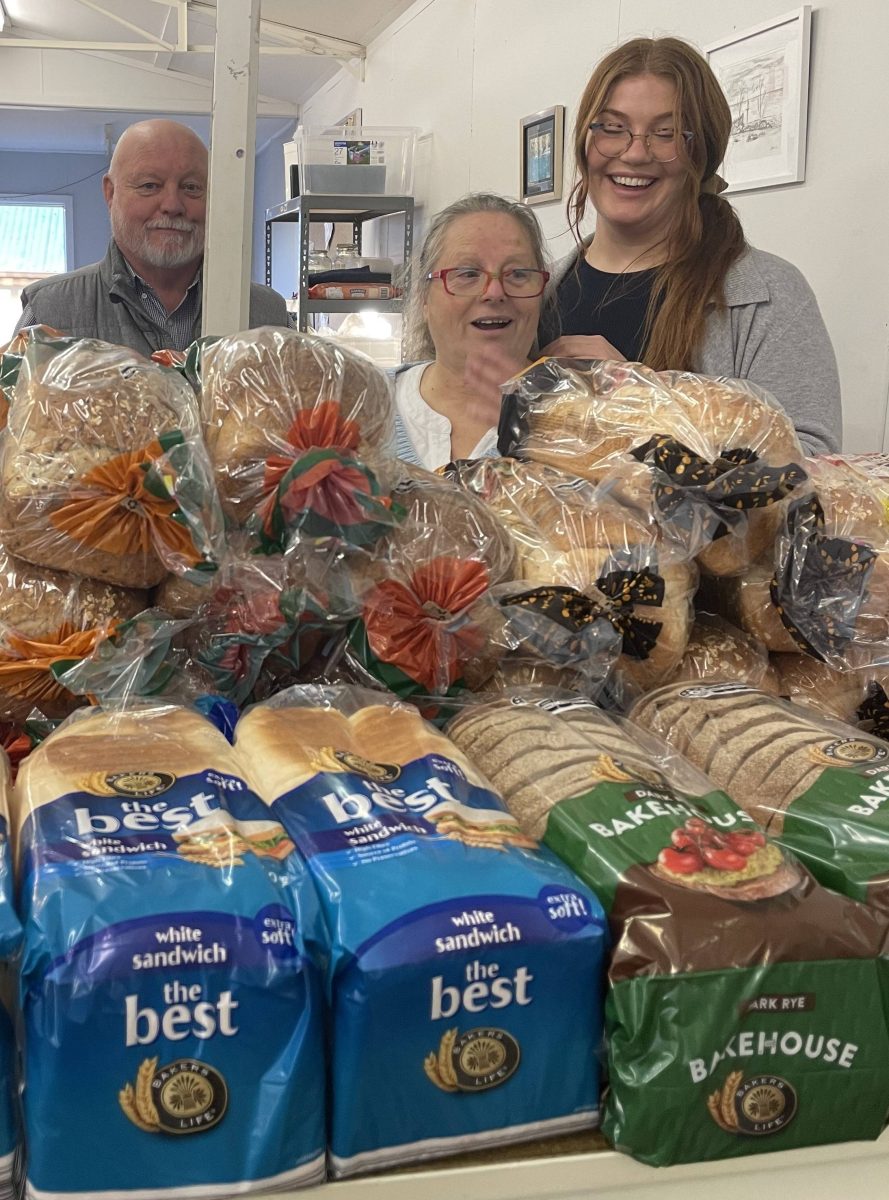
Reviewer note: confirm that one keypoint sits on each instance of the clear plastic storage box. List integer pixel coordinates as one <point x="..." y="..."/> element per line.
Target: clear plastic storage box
<point x="356" y="161"/>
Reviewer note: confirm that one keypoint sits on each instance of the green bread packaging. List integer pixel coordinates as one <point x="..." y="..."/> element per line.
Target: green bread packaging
<point x="728" y="1018"/>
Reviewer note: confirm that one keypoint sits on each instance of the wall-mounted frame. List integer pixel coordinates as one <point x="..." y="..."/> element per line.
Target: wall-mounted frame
<point x="764" y="72"/>
<point x="541" y="141"/>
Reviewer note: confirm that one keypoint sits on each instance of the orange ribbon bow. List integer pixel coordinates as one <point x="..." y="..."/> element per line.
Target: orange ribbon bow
<point x="318" y="428"/>
<point x="414" y="627"/>
<point x="25" y="663"/>
<point x="116" y="513"/>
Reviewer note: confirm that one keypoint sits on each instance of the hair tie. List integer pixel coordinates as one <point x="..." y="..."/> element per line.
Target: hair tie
<point x="713" y="185"/>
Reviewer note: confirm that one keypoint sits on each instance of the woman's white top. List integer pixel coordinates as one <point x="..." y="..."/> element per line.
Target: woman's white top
<point x="423" y="430"/>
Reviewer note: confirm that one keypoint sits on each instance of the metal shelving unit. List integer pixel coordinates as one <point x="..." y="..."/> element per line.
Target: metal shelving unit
<point x="307" y="209"/>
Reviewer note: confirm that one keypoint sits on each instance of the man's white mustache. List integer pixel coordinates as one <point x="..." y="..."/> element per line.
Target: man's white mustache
<point x="178" y="226"/>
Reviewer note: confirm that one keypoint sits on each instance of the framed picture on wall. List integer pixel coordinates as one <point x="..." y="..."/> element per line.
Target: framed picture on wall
<point x="541" y="140"/>
<point x="764" y="72"/>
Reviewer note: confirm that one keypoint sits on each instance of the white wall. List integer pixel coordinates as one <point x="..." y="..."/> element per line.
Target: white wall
<point x="467" y="70"/>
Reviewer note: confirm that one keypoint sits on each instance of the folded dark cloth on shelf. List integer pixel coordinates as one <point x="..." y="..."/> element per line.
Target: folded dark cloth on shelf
<point x="350" y="275"/>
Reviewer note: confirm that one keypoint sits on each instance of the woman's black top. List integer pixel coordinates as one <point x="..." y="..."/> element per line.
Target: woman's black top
<point x="592" y="301"/>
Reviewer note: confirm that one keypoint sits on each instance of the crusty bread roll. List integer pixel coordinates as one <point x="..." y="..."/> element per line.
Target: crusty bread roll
<point x="48" y="616"/>
<point x="75" y="490"/>
<point x="804" y="680"/>
<point x="720" y="652"/>
<point x="270" y="395"/>
<point x="586" y="419"/>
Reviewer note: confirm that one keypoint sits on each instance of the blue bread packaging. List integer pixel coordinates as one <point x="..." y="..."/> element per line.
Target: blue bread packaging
<point x="173" y="1012"/>
<point x="10" y="942"/>
<point x="458" y="947"/>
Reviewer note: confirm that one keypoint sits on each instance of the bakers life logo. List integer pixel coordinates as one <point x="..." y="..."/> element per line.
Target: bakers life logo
<point x="755" y="1106"/>
<point x="377" y="771"/>
<point x="473" y="1061"/>
<point x="851" y="752"/>
<point x="183" y="1097"/>
<point x="140" y="784"/>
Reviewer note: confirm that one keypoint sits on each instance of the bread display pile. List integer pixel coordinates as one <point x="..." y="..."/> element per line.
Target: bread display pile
<point x="651" y="635"/>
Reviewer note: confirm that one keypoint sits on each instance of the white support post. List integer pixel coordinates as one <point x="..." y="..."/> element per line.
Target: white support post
<point x="227" y="262"/>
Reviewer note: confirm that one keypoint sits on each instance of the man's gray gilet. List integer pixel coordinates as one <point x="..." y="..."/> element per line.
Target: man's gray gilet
<point x="99" y="301"/>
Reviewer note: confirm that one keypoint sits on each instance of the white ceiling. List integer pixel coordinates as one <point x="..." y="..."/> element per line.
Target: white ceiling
<point x="284" y="80"/>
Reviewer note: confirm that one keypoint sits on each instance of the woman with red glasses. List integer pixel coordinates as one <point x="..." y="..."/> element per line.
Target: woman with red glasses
<point x="470" y="323"/>
<point x="668" y="278"/>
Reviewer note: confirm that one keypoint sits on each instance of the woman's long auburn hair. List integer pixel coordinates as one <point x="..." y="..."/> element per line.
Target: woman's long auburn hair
<point x="705" y="237"/>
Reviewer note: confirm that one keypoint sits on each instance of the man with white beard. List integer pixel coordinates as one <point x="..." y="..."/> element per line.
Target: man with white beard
<point x="146" y="291"/>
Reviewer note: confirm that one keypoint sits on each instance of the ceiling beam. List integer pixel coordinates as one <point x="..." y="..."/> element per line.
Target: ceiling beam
<point x="146" y="33"/>
<point x="322" y="44"/>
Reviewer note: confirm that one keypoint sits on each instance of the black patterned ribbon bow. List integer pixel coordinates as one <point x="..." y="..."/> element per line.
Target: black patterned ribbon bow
<point x="623" y="591"/>
<point x="734" y="482"/>
<point x="819" y="583"/>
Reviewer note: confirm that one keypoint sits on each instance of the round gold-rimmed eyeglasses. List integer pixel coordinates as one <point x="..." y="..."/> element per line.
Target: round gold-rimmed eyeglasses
<point x="613" y="140"/>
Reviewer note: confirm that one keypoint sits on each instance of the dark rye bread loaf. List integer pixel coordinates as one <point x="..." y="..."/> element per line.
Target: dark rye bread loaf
<point x="537" y="762"/>
<point x="764" y="752"/>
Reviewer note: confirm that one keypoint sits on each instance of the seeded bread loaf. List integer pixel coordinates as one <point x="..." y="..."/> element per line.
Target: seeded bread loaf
<point x="570" y="535"/>
<point x="99" y="446"/>
<point x="722" y="456"/>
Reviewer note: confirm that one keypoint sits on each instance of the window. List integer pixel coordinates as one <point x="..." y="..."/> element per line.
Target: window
<point x="35" y="241"/>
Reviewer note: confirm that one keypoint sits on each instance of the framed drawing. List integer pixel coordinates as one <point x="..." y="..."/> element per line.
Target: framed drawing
<point x="764" y="73"/>
<point x="541" y="139"/>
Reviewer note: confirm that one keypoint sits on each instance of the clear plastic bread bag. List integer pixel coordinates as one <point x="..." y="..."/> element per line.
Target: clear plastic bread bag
<point x="300" y="432"/>
<point x="714" y="928"/>
<point x="103" y="469"/>
<point x="427" y="618"/>
<point x="50" y="620"/>
<point x="271" y="615"/>
<point x="720" y="456"/>
<point x="830" y="568"/>
<point x="592" y="577"/>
